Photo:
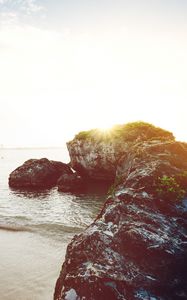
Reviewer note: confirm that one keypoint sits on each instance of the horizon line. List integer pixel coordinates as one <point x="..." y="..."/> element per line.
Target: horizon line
<point x="29" y="147"/>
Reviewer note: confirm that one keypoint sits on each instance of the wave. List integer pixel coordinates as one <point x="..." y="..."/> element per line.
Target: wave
<point x="14" y="228"/>
<point x="56" y="228"/>
<point x="43" y="228"/>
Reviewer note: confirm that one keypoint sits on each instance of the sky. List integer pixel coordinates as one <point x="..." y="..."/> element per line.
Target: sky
<point x="73" y="65"/>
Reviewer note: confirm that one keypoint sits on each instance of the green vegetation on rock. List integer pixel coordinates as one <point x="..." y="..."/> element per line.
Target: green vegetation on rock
<point x="130" y="132"/>
<point x="172" y="187"/>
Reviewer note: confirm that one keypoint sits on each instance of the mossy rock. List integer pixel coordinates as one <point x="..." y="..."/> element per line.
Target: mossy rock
<point x="130" y="132"/>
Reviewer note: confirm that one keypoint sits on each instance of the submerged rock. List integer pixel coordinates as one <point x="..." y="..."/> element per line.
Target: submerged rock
<point x="38" y="173"/>
<point x="70" y="183"/>
<point x="137" y="246"/>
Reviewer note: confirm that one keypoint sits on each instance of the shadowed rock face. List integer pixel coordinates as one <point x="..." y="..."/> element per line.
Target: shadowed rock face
<point x="70" y="183"/>
<point x="38" y="173"/>
<point x="137" y="246"/>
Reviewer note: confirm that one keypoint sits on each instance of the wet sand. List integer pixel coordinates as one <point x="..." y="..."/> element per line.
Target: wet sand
<point x="31" y="264"/>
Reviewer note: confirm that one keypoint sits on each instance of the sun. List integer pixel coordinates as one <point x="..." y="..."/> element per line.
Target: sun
<point x="105" y="131"/>
<point x="105" y="125"/>
<point x="105" y="128"/>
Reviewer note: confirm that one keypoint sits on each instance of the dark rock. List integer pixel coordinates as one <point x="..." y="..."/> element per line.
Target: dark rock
<point x="70" y="183"/>
<point x="38" y="173"/>
<point x="137" y="246"/>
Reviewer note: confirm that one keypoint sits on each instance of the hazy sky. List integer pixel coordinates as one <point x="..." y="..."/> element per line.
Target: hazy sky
<point x="72" y="65"/>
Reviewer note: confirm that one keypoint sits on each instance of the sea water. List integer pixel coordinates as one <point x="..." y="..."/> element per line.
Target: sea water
<point x="36" y="227"/>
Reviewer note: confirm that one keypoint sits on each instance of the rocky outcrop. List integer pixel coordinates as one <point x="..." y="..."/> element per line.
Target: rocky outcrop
<point x="38" y="173"/>
<point x="93" y="160"/>
<point x="95" y="154"/>
<point x="137" y="246"/>
<point x="70" y="183"/>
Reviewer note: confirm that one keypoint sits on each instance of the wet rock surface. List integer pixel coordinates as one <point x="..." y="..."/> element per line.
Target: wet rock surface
<point x="38" y="173"/>
<point x="137" y="246"/>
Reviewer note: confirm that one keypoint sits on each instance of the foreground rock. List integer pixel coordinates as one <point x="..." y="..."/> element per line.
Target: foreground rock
<point x="70" y="183"/>
<point x="38" y="173"/>
<point x="137" y="246"/>
<point x="95" y="154"/>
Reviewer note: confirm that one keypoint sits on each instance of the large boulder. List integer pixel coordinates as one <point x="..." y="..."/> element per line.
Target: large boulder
<point x="38" y="173"/>
<point x="70" y="183"/>
<point x="95" y="154"/>
<point x="137" y="246"/>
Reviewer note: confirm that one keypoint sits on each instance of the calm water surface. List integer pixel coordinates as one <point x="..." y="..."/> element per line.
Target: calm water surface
<point x="35" y="228"/>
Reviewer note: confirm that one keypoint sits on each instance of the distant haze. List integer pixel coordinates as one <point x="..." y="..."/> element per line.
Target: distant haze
<point x="71" y="65"/>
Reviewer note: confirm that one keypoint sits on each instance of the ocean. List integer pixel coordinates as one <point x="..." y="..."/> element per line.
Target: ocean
<point x="36" y="227"/>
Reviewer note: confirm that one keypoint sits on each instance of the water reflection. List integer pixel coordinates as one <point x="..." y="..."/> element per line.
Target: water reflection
<point x="90" y="189"/>
<point x="31" y="193"/>
<point x="54" y="214"/>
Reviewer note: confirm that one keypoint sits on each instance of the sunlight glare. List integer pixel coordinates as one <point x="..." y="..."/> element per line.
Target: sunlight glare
<point x="106" y="125"/>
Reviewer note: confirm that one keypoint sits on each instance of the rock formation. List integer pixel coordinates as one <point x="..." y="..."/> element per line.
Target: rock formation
<point x="95" y="154"/>
<point x="137" y="246"/>
<point x="38" y="173"/>
<point x="70" y="183"/>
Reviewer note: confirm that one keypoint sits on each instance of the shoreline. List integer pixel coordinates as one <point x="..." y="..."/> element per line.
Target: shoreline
<point x="32" y="264"/>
